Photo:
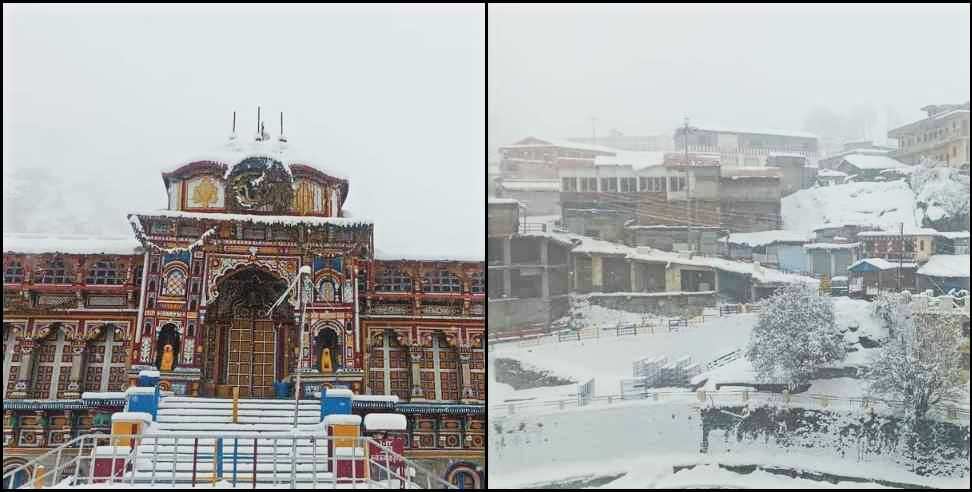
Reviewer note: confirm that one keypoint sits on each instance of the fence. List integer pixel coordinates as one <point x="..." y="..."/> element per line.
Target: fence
<point x="242" y="458"/>
<point x="948" y="411"/>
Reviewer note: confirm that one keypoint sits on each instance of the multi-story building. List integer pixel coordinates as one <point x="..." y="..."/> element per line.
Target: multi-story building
<point x="543" y="158"/>
<point x="192" y="298"/>
<point x="616" y="140"/>
<point x="942" y="135"/>
<point x="853" y="148"/>
<point x="914" y="246"/>
<point x="747" y="147"/>
<point x="528" y="270"/>
<point x="538" y="196"/>
<point x="862" y="167"/>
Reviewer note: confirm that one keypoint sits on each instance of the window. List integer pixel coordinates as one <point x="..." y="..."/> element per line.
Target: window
<point x="643" y="184"/>
<point x="442" y="281"/>
<point x="159" y="228"/>
<point x="105" y="272"/>
<point x="175" y="283"/>
<point x="393" y="281"/>
<point x="14" y="273"/>
<point x="590" y="184"/>
<point x="609" y="184"/>
<point x="254" y="233"/>
<point x="55" y="273"/>
<point x="628" y="185"/>
<point x="476" y="283"/>
<point x="569" y="184"/>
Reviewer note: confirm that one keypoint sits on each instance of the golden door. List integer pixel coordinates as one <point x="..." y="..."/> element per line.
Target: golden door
<point x="250" y="358"/>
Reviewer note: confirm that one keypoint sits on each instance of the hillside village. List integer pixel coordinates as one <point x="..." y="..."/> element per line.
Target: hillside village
<point x="713" y="215"/>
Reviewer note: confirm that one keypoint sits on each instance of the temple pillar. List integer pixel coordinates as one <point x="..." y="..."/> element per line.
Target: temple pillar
<point x="415" y="359"/>
<point x="23" y="385"/>
<point x="74" y="385"/>
<point x="465" y="378"/>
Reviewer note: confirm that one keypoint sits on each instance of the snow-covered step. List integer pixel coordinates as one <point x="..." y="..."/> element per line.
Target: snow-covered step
<point x="243" y="446"/>
<point x="241" y="466"/>
<point x="160" y="477"/>
<point x="252" y="427"/>
<point x="179" y="400"/>
<point x="242" y="411"/>
<point x="242" y="419"/>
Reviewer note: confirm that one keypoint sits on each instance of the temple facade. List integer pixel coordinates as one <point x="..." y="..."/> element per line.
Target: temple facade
<point x="207" y="292"/>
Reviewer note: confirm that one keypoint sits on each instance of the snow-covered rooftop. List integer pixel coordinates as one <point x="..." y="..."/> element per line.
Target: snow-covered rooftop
<point x="69" y="244"/>
<point x="635" y="159"/>
<point x="918" y="231"/>
<point x="502" y="201"/>
<point x="880" y="264"/>
<point x="388" y="256"/>
<point x="235" y="151"/>
<point x="530" y="184"/>
<point x="955" y="234"/>
<point x="885" y="205"/>
<point x="827" y="173"/>
<point x="763" y="238"/>
<point x="256" y="219"/>
<point x="558" y="143"/>
<point x="832" y="245"/>
<point x="946" y="266"/>
<point x="752" y="172"/>
<point x="787" y="154"/>
<point x="754" y="131"/>
<point x="863" y="162"/>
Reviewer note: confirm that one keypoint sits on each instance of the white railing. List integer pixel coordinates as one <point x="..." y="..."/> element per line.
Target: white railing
<point x="299" y="460"/>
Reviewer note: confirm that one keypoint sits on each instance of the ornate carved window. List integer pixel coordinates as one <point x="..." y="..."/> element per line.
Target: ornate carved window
<point x="328" y="291"/>
<point x="476" y="283"/>
<point x="52" y="370"/>
<point x="55" y="272"/>
<point x="174" y="284"/>
<point x="105" y="272"/>
<point x="137" y="276"/>
<point x="14" y="273"/>
<point x="393" y="281"/>
<point x="442" y="281"/>
<point x="105" y="367"/>
<point x="440" y="371"/>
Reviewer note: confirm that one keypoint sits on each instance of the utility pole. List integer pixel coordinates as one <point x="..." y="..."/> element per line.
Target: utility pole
<point x="900" y="255"/>
<point x="688" y="193"/>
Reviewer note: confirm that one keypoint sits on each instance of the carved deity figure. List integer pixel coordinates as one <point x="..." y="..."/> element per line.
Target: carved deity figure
<point x="326" y="360"/>
<point x="167" y="358"/>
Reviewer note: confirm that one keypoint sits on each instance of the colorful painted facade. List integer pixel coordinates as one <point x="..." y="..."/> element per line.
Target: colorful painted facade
<point x="194" y="296"/>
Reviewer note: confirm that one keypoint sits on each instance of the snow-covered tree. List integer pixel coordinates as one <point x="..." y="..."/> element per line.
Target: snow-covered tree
<point x="921" y="366"/>
<point x="796" y="333"/>
<point x="893" y="309"/>
<point x="941" y="195"/>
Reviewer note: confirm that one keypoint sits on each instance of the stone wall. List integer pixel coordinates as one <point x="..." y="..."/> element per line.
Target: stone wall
<point x="662" y="304"/>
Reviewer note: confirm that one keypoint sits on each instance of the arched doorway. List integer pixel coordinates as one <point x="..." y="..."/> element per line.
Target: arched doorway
<point x="246" y="345"/>
<point x="464" y="476"/>
<point x="327" y="345"/>
<point x="16" y="480"/>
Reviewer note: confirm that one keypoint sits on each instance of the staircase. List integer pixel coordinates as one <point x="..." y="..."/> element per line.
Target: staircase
<point x="259" y="420"/>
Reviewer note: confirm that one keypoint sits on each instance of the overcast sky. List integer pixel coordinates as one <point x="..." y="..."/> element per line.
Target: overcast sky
<point x="392" y="97"/>
<point x="642" y="68"/>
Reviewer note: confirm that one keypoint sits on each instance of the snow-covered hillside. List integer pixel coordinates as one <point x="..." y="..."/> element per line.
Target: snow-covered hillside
<point x="885" y="205"/>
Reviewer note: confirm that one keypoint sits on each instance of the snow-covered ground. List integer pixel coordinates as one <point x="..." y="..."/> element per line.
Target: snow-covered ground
<point x="642" y="439"/>
<point x="882" y="204"/>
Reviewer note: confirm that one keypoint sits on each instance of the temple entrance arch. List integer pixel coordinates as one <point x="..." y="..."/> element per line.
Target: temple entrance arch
<point x="247" y="346"/>
<point x="328" y="349"/>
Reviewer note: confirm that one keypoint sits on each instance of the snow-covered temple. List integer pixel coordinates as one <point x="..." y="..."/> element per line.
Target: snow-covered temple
<point x="193" y="294"/>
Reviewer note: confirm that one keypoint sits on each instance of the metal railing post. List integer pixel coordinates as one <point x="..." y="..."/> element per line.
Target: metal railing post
<point x="175" y="460"/>
<point x="155" y="459"/>
<point x="314" y="471"/>
<point x="195" y="456"/>
<point x="275" y="461"/>
<point x="255" y="461"/>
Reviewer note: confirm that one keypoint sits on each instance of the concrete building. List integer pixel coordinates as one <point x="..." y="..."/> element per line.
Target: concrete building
<point x="869" y="276"/>
<point x="942" y="135"/>
<point x="616" y="140"/>
<point x="944" y="273"/>
<point x="527" y="272"/>
<point x="702" y="239"/>
<point x="782" y="250"/>
<point x="794" y="166"/>
<point x="538" y="196"/>
<point x="952" y="243"/>
<point x="749" y="198"/>
<point x="492" y="174"/>
<point x="830" y="177"/>
<point x="747" y="147"/>
<point x="542" y="158"/>
<point x="914" y="246"/>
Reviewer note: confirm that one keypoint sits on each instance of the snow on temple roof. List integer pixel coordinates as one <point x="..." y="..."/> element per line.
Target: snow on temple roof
<point x="70" y="244"/>
<point x="880" y="264"/>
<point x="946" y="266"/>
<point x="863" y="162"/>
<point x="530" y="184"/>
<point x="242" y="147"/>
<point x="386" y="256"/>
<point x="256" y="219"/>
<point x="764" y="238"/>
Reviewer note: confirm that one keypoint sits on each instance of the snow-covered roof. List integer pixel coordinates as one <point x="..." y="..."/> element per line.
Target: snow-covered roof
<point x="530" y="184"/>
<point x="149" y="373"/>
<point x="884" y="205"/>
<point x="950" y="113"/>
<point x="754" y="131"/>
<point x="759" y="273"/>
<point x="340" y="393"/>
<point x="107" y="395"/>
<point x="751" y="172"/>
<point x="764" y="238"/>
<point x="830" y="173"/>
<point x="635" y="159"/>
<point x="863" y="162"/>
<point x="832" y="245"/>
<point x="946" y="266"/>
<point x="386" y="398"/>
<point x="387" y="256"/>
<point x="235" y="151"/>
<point x="920" y="231"/>
<point x="385" y="421"/>
<point x="787" y="154"/>
<point x="502" y="201"/>
<point x="256" y="219"/>
<point x="129" y="416"/>
<point x="335" y="419"/>
<point x="590" y="245"/>
<point x="955" y="234"/>
<point x="70" y="244"/>
<point x="558" y="143"/>
<point x="880" y="264"/>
